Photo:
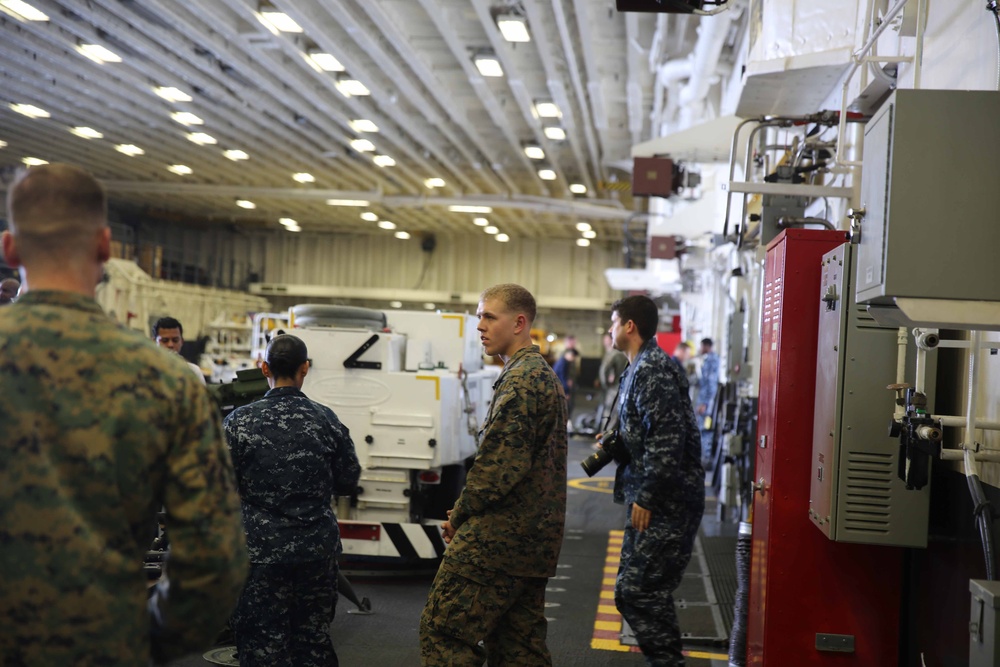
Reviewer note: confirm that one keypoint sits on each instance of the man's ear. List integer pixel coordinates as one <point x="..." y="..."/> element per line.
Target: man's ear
<point x="265" y="369"/>
<point x="10" y="252"/>
<point x="520" y="323"/>
<point x="104" y="244"/>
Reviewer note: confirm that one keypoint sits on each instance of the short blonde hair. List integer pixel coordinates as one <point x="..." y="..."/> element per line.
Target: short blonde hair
<point x="514" y="297"/>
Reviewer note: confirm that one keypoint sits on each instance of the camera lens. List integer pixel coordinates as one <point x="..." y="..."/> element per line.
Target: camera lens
<point x="596" y="461"/>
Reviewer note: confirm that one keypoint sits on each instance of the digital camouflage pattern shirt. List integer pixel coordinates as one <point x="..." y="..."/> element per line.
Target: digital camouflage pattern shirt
<point x="658" y="427"/>
<point x="291" y="456"/>
<point x="511" y="513"/>
<point x="100" y="429"/>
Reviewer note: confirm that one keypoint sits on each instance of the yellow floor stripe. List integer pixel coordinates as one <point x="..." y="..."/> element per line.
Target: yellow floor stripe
<point x="610" y="581"/>
<point x="611" y="570"/>
<point x="614" y="626"/>
<point x="608" y="645"/>
<point x="707" y="656"/>
<point x="607" y="595"/>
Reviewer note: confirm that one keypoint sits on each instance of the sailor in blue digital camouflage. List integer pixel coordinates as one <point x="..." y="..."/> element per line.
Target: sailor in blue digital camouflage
<point x="662" y="485"/>
<point x="292" y="456"/>
<point x="100" y="430"/>
<point x="506" y="528"/>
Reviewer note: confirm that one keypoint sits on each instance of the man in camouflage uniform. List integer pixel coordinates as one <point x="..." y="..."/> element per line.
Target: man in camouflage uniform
<point x="662" y="485"/>
<point x="506" y="528"/>
<point x="291" y="456"/>
<point x="100" y="430"/>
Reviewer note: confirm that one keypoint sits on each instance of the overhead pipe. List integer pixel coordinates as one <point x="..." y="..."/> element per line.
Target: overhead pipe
<point x="712" y="34"/>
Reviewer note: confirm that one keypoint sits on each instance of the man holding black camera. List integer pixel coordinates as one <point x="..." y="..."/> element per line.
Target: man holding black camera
<point x="661" y="481"/>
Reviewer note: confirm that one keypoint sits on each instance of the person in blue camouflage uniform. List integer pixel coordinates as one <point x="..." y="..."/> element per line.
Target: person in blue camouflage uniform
<point x="292" y="456"/>
<point x="662" y="485"/>
<point x="506" y="528"/>
<point x="100" y="430"/>
<point x="708" y="385"/>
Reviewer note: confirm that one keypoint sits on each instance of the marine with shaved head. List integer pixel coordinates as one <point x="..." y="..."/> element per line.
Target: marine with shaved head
<point x="101" y="430"/>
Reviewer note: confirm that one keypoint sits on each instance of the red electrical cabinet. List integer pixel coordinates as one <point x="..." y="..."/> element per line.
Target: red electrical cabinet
<point x="812" y="601"/>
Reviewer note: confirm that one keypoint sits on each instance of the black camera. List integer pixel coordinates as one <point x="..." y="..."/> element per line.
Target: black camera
<point x="612" y="447"/>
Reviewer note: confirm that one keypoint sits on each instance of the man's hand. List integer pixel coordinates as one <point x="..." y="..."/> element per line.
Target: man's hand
<point x="640" y="518"/>
<point x="447" y="529"/>
<point x="701" y="408"/>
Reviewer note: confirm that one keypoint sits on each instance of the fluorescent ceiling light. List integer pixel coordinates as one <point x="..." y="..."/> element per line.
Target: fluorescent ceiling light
<point x="86" y="132"/>
<point x="555" y="133"/>
<point x="2" y="143"/>
<point x="22" y="10"/>
<point x="186" y="118"/>
<point x="30" y="110"/>
<point x="534" y="152"/>
<point x="481" y="222"/>
<point x="201" y="138"/>
<point x="34" y="161"/>
<point x="326" y="62"/>
<point x="429" y="306"/>
<point x="279" y="20"/>
<point x="546" y="174"/>
<point x="502" y="238"/>
<point x="293" y="228"/>
<point x="351" y="88"/>
<point x="288" y="222"/>
<point x="368" y="216"/>
<point x="395" y="304"/>
<point x="402" y="235"/>
<point x="578" y="189"/>
<point x="245" y="203"/>
<point x="547" y="110"/>
<point x="362" y="145"/>
<point x="583" y="226"/>
<point x="583" y="243"/>
<point x="303" y="177"/>
<point x="490" y="230"/>
<point x="363" y="125"/>
<point x="129" y="149"/>
<point x="171" y="94"/>
<point x="591" y="234"/>
<point x="348" y="202"/>
<point x="180" y="169"/>
<point x="235" y="155"/>
<point x="434" y="182"/>
<point x="513" y="28"/>
<point x="385" y="224"/>
<point x="98" y="53"/>
<point x="458" y="208"/>
<point x="384" y="161"/>
<point x="488" y="65"/>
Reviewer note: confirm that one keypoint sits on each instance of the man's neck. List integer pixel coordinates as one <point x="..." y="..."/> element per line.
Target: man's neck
<point x="632" y="351"/>
<point x="516" y="347"/>
<point x="66" y="279"/>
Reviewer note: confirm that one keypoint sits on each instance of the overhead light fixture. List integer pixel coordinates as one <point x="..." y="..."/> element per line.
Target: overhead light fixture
<point x="395" y="304"/>
<point x="22" y="10"/>
<point x="34" y="161"/>
<point x="201" y="138"/>
<point x="547" y="110"/>
<point x="280" y="21"/>
<point x="236" y="155"/>
<point x="180" y="169"/>
<point x="502" y="238"/>
<point x="3" y="143"/>
<point x="429" y="306"/>
<point x="481" y="222"/>
<point x="491" y="229"/>
<point x="351" y="88"/>
<point x="288" y="222"/>
<point x="487" y="63"/>
<point x="368" y="216"/>
<point x="384" y="161"/>
<point x="555" y="133"/>
<point x="326" y="61"/>
<point x="129" y="149"/>
<point x="461" y="208"/>
<point x="348" y="202"/>
<point x="303" y="177"/>
<point x="534" y="152"/>
<point x="293" y="228"/>
<point x="583" y="243"/>
<point x="29" y="110"/>
<point x="514" y="28"/>
<point x="86" y="132"/>
<point x="546" y="174"/>
<point x="98" y="53"/>
<point x="245" y="203"/>
<point x="583" y="227"/>
<point x="363" y="125"/>
<point x="171" y="94"/>
<point x="362" y="145"/>
<point x="578" y="188"/>
<point x="402" y="235"/>
<point x="186" y="118"/>
<point x="591" y="234"/>
<point x="385" y="224"/>
<point x="434" y="182"/>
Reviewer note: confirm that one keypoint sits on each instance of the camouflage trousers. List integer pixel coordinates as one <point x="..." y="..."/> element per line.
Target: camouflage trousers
<point x="283" y="616"/>
<point x="651" y="568"/>
<point x="468" y="605"/>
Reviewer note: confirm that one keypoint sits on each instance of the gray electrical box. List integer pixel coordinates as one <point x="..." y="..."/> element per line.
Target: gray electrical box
<point x="930" y="198"/>
<point x="984" y="631"/>
<point x="855" y="492"/>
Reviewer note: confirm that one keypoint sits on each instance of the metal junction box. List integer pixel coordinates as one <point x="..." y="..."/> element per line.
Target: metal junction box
<point x="984" y="631"/>
<point x="855" y="492"/>
<point x="930" y="198"/>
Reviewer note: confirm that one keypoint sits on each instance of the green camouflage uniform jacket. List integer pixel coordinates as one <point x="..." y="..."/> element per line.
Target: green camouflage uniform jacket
<point x="511" y="513"/>
<point x="100" y="429"/>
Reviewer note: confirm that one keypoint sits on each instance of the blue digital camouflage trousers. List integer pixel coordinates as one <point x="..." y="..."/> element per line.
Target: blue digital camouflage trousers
<point x="652" y="564"/>
<point x="468" y="605"/>
<point x="284" y="613"/>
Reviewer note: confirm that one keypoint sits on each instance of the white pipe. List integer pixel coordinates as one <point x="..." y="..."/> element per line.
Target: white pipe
<point x="705" y="58"/>
<point x="919" y="379"/>
<point x="918" y="57"/>
<point x="973" y="397"/>
<point x="902" y="336"/>
<point x="987" y="455"/>
<point x="668" y="78"/>
<point x="957" y="420"/>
